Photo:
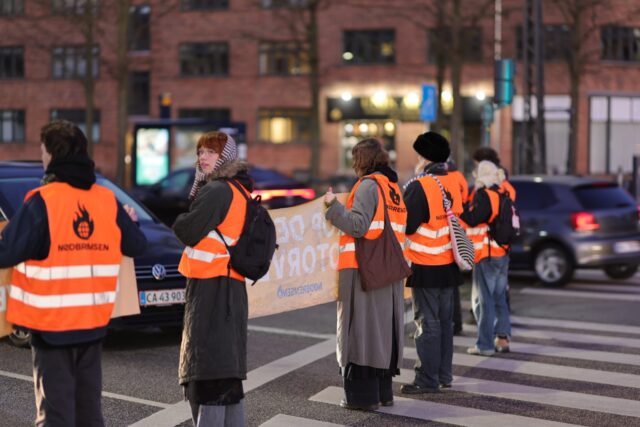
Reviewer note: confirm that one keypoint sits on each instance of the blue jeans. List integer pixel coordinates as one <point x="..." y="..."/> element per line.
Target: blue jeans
<point x="433" y="315"/>
<point x="489" y="299"/>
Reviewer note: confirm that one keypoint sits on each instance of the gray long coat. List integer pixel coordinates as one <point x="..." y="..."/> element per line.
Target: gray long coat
<point x="214" y="337"/>
<point x="365" y="319"/>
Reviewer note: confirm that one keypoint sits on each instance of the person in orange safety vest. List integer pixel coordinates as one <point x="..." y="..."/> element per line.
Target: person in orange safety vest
<point x="435" y="273"/>
<point x="370" y="331"/>
<point x="490" y="280"/>
<point x="66" y="243"/>
<point x="213" y="355"/>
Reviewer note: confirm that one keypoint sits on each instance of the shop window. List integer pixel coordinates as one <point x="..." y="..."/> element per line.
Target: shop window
<point x="369" y="47"/>
<point x="11" y="62"/>
<point x="284" y="126"/>
<point x="77" y="116"/>
<point x="11" y="7"/>
<point x="472" y="43"/>
<point x="139" y="28"/>
<point x="283" y="59"/>
<point x="70" y="62"/>
<point x="620" y="43"/>
<point x="187" y="5"/>
<point x="557" y="42"/>
<point x="353" y="131"/>
<point x="209" y="114"/>
<point x="613" y="127"/>
<point x="11" y="126"/>
<point x="204" y="59"/>
<point x="139" y="93"/>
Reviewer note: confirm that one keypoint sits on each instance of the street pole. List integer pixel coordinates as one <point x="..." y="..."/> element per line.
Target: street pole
<point x="541" y="157"/>
<point x="497" y="55"/>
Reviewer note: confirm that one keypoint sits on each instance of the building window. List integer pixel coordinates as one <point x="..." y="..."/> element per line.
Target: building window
<point x="369" y="47"/>
<point x="283" y="59"/>
<point x="11" y="126"/>
<point x="292" y="4"/>
<point x="620" y="43"/>
<point x="139" y="28"/>
<point x="204" y="4"/>
<point x="204" y="59"/>
<point x="73" y="7"/>
<point x="139" y="93"/>
<point x="78" y="117"/>
<point x="614" y="127"/>
<point x="557" y="42"/>
<point x="70" y="62"/>
<point x="284" y="126"/>
<point x="209" y="114"/>
<point x="472" y="44"/>
<point x="11" y="7"/>
<point x="11" y="62"/>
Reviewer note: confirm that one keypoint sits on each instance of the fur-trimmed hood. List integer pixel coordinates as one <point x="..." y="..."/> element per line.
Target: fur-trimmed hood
<point x="236" y="169"/>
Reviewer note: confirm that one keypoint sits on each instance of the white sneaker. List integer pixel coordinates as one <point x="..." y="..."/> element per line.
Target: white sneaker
<point x="477" y="352"/>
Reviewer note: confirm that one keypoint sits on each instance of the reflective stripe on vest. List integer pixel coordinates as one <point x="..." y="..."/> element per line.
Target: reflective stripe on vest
<point x="75" y="287"/>
<point x="479" y="234"/>
<point x="431" y="243"/>
<point x="210" y="258"/>
<point x="397" y="219"/>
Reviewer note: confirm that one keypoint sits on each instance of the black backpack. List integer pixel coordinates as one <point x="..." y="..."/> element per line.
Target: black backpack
<point x="252" y="253"/>
<point x="505" y="227"/>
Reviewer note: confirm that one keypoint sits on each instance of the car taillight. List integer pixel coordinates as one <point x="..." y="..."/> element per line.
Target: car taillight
<point x="584" y="221"/>
<point x="305" y="193"/>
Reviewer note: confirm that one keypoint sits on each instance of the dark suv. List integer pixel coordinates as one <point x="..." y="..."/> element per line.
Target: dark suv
<point x="160" y="286"/>
<point x="570" y="222"/>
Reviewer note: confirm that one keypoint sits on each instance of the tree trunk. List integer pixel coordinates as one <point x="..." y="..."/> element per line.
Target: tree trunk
<point x="457" y="130"/>
<point x="573" y="124"/>
<point x="441" y="65"/>
<point x="314" y="86"/>
<point x="122" y="81"/>
<point x="88" y="79"/>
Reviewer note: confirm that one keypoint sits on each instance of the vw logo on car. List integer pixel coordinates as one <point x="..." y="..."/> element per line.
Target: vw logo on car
<point x="158" y="271"/>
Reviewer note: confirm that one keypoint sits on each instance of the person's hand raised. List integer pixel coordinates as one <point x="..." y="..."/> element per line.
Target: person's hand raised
<point x="131" y="212"/>
<point x="329" y="197"/>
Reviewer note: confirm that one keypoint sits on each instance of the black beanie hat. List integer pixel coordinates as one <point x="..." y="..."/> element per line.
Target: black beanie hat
<point x="432" y="146"/>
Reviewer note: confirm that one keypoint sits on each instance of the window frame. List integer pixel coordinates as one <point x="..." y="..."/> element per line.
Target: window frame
<point x="368" y="42"/>
<point x="203" y="5"/>
<point x="15" y="116"/>
<point x="288" y="51"/>
<point x="80" y="119"/>
<point x="293" y="114"/>
<point x="208" y="114"/>
<point x="77" y="7"/>
<point x="11" y="7"/>
<point x="632" y="39"/>
<point x="16" y="60"/>
<point x="200" y="50"/>
<point x="141" y="12"/>
<point x="63" y="53"/>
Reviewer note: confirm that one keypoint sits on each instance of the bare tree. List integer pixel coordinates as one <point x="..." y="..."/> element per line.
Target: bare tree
<point x="585" y="18"/>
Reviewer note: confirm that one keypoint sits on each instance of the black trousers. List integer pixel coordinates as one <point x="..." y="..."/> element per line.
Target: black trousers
<point x="68" y="385"/>
<point x="457" y="311"/>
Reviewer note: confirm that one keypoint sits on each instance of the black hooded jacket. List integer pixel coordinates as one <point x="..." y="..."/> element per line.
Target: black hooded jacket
<point x="27" y="237"/>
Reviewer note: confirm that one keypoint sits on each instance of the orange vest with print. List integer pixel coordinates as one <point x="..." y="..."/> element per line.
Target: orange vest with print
<point x="75" y="286"/>
<point x="479" y="234"/>
<point x="397" y="212"/>
<point x="462" y="182"/>
<point x="210" y="258"/>
<point x="431" y="243"/>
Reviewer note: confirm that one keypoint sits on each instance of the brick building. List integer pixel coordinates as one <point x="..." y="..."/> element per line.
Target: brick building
<point x="236" y="60"/>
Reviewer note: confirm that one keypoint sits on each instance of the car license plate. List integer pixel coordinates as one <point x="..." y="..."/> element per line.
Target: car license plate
<point x="625" y="247"/>
<point x="163" y="297"/>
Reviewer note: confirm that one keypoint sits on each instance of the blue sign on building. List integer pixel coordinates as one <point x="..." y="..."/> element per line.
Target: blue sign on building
<point x="429" y="106"/>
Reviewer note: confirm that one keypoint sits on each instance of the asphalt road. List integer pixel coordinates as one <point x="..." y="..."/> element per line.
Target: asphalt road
<point x="575" y="360"/>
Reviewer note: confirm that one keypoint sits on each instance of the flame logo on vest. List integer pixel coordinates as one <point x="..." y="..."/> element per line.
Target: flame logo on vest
<point x="83" y="224"/>
<point x="395" y="197"/>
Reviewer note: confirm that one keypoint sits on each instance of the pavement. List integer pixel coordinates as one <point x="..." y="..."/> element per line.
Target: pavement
<point x="575" y="360"/>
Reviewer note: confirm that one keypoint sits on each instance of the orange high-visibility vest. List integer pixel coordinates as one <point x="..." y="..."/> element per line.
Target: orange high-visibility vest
<point x="75" y="286"/>
<point x="396" y="210"/>
<point x="479" y="235"/>
<point x="505" y="186"/>
<point x="462" y="182"/>
<point x="210" y="258"/>
<point x="431" y="243"/>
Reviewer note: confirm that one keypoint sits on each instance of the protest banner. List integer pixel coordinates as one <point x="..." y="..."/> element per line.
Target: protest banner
<point x="303" y="270"/>
<point x="127" y="303"/>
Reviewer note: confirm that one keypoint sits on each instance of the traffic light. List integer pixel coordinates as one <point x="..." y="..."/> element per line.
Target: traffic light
<point x="504" y="89"/>
<point x="165" y="105"/>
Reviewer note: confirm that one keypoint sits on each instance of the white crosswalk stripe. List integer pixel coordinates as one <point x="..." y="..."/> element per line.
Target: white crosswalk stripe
<point x="282" y="420"/>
